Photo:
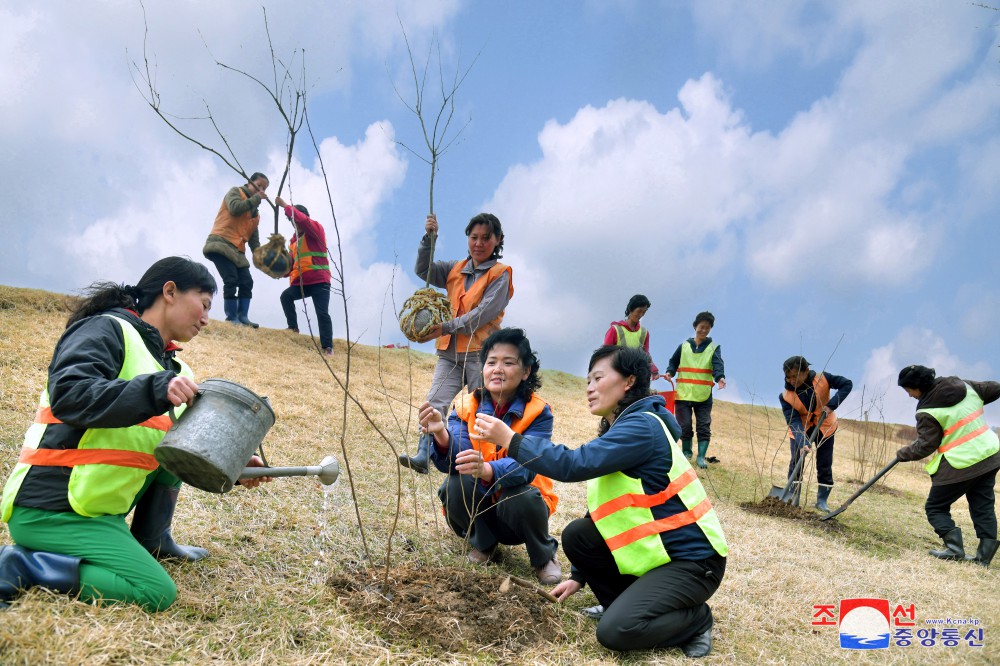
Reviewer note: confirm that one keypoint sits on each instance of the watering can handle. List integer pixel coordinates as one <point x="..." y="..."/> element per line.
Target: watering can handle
<point x="173" y="413"/>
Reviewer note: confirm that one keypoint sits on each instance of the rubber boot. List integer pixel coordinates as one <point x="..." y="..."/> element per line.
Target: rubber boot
<point x="953" y="549"/>
<point x="822" y="495"/>
<point x="242" y="311"/>
<point x="699" y="646"/>
<point x="702" y="449"/>
<point x="984" y="555"/>
<point x="151" y="525"/>
<point x="418" y="463"/>
<point x="21" y="568"/>
<point x="686" y="447"/>
<point x="231" y="308"/>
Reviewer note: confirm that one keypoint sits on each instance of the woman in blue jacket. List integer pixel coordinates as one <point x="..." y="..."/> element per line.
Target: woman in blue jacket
<point x="487" y="495"/>
<point x="651" y="546"/>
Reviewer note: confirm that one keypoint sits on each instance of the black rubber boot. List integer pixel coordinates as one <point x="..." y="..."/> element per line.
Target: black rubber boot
<point x="953" y="549"/>
<point x="699" y="646"/>
<point x="231" y="308"/>
<point x="418" y="463"/>
<point x="984" y="555"/>
<point x="21" y="568"/>
<point x="702" y="449"/>
<point x="686" y="448"/>
<point x="822" y="495"/>
<point x="151" y="525"/>
<point x="243" y="311"/>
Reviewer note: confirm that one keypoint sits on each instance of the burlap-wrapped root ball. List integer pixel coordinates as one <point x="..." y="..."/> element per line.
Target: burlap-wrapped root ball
<point x="273" y="258"/>
<point x="427" y="307"/>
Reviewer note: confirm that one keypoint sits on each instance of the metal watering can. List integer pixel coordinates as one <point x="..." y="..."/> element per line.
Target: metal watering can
<point x="211" y="441"/>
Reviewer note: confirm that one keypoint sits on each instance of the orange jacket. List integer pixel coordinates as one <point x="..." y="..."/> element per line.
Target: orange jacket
<point x="237" y="229"/>
<point x="463" y="301"/>
<point x="467" y="410"/>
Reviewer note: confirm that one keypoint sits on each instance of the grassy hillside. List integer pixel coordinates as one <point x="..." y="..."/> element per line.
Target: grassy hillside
<point x="287" y="578"/>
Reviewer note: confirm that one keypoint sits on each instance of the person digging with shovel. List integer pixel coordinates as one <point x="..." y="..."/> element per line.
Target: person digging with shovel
<point x="965" y="456"/>
<point x="805" y="398"/>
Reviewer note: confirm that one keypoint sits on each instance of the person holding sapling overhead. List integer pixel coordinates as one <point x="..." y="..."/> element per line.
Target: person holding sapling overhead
<point x="235" y="227"/>
<point x="479" y="288"/>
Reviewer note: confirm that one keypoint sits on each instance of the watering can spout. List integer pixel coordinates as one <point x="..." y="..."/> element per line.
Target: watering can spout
<point x="327" y="471"/>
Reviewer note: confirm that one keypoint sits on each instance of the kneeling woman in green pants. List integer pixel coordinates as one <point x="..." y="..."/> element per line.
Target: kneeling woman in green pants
<point x="88" y="458"/>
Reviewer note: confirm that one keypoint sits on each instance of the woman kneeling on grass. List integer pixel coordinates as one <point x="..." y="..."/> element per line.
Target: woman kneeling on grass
<point x="651" y="546"/>
<point x="88" y="457"/>
<point x="487" y="494"/>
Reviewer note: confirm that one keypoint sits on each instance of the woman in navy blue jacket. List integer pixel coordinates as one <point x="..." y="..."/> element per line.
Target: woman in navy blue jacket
<point x="651" y="546"/>
<point x="487" y="495"/>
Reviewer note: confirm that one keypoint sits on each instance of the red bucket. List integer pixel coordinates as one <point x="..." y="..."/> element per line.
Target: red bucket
<point x="669" y="396"/>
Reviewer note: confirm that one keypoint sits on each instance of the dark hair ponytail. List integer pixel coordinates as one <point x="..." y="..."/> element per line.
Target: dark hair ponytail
<point x="182" y="271"/>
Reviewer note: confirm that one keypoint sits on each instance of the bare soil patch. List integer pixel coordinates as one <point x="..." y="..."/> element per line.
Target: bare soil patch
<point x="453" y="608"/>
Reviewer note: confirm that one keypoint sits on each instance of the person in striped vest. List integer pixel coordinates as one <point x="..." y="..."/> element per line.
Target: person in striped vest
<point x="628" y="332"/>
<point x="965" y="456"/>
<point x="651" y="546"/>
<point x="807" y="403"/>
<point x="310" y="273"/>
<point x="487" y="495"/>
<point x="698" y="366"/>
<point x="87" y="460"/>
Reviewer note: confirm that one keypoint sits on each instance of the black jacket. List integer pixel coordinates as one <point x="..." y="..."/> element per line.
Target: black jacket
<point x="948" y="392"/>
<point x="85" y="392"/>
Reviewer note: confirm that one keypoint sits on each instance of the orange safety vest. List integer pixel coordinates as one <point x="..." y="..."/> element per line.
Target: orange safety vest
<point x="465" y="300"/>
<point x="821" y="387"/>
<point x="467" y="412"/>
<point x="236" y="230"/>
<point x="306" y="260"/>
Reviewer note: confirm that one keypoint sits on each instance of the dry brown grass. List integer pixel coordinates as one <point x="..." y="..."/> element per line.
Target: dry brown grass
<point x="263" y="597"/>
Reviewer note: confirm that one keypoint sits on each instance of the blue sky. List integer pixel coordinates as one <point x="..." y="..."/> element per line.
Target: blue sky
<point x="820" y="175"/>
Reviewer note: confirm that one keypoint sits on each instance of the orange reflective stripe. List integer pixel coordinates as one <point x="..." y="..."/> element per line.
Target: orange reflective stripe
<point x="704" y="371"/>
<point x="642" y="500"/>
<point x="703" y="382"/>
<point x="658" y="526"/>
<point x="963" y="439"/>
<point x="45" y="416"/>
<point x="968" y="419"/>
<point x="74" y="457"/>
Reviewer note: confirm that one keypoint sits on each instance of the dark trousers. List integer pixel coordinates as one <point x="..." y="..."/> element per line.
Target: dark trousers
<point x="320" y="295"/>
<point x="978" y="491"/>
<point x="236" y="282"/>
<point x="662" y="608"/>
<point x="824" y="460"/>
<point x="702" y="413"/>
<point x="521" y="516"/>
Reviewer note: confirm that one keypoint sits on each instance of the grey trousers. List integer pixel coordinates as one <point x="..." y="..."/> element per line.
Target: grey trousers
<point x="452" y="372"/>
<point x="521" y="516"/>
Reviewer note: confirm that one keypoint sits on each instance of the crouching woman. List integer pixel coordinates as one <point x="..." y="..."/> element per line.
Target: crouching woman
<point x="88" y="458"/>
<point x="487" y="495"/>
<point x="651" y="546"/>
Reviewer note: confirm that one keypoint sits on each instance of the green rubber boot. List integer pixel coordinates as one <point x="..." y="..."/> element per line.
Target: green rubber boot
<point x="702" y="449"/>
<point x="686" y="447"/>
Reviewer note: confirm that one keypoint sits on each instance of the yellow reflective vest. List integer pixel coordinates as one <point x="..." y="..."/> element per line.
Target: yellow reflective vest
<point x="967" y="439"/>
<point x="109" y="465"/>
<point x="694" y="374"/>
<point x="622" y="512"/>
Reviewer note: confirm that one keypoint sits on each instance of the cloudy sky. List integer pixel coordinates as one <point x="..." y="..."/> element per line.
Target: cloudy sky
<point x="820" y="175"/>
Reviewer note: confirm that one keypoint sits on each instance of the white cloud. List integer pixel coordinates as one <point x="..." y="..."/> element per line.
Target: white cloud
<point x="913" y="345"/>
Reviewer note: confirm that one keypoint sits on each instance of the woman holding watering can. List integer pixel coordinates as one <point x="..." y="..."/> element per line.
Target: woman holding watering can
<point x="88" y="458"/>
